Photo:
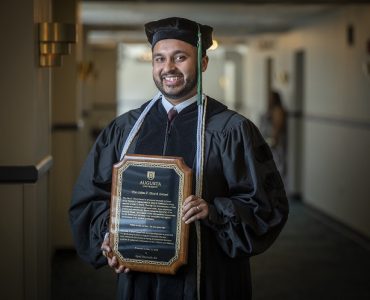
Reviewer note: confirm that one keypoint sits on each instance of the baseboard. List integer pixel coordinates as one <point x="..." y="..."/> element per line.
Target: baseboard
<point x="338" y="226"/>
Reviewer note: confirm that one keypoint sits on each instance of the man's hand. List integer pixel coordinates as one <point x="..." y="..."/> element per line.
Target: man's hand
<point x="194" y="208"/>
<point x="112" y="260"/>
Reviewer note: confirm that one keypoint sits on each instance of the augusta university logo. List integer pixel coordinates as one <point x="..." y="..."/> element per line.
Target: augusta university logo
<point x="150" y="175"/>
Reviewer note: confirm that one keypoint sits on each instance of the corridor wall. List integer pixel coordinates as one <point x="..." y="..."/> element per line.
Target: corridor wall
<point x="336" y="108"/>
<point x="25" y="154"/>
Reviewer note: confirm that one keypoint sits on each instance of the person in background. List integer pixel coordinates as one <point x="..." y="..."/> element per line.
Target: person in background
<point x="274" y="129"/>
<point x="238" y="206"/>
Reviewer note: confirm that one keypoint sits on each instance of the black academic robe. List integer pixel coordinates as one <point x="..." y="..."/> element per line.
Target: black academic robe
<point x="247" y="202"/>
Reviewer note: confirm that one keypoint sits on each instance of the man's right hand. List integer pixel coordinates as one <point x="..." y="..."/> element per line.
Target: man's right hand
<point x="112" y="259"/>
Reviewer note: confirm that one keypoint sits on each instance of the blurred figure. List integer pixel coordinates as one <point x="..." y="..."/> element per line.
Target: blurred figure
<point x="274" y="130"/>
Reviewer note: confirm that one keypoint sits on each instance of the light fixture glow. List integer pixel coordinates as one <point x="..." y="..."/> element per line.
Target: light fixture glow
<point x="214" y="45"/>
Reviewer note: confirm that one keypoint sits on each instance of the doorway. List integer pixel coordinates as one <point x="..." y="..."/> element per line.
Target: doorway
<point x="296" y="130"/>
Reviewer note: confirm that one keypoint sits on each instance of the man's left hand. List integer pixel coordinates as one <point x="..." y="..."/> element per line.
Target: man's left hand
<point x="194" y="208"/>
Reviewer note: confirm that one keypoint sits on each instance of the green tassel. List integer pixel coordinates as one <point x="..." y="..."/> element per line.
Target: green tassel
<point x="199" y="88"/>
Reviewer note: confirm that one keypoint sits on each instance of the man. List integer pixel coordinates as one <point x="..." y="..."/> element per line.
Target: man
<point x="238" y="206"/>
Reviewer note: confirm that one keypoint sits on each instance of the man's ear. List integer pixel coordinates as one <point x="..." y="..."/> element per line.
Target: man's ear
<point x="205" y="60"/>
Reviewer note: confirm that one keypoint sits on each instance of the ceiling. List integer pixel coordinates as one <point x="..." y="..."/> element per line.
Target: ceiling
<point x="109" y="22"/>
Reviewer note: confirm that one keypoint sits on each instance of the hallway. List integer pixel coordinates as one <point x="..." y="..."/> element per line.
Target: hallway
<point x="69" y="67"/>
<point x="314" y="258"/>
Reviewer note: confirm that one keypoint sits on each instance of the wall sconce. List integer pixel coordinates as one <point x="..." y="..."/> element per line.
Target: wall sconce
<point x="86" y="70"/>
<point x="283" y="77"/>
<point x="55" y="40"/>
<point x="366" y="68"/>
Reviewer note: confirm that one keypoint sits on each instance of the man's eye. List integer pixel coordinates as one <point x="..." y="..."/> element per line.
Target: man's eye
<point x="159" y="59"/>
<point x="180" y="58"/>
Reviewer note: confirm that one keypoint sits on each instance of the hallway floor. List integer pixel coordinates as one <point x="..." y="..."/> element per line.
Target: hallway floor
<point x="314" y="258"/>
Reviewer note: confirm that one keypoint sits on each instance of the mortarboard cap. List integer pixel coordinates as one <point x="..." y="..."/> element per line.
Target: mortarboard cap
<point x="179" y="29"/>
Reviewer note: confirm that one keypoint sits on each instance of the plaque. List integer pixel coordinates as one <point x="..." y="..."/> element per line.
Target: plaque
<point x="147" y="233"/>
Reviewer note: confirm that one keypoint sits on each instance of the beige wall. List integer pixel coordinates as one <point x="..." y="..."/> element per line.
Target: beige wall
<point x="67" y="125"/>
<point x="24" y="86"/>
<point x="26" y="266"/>
<point x="12" y="280"/>
<point x="336" y="123"/>
<point x="105" y="74"/>
<point x="25" y="144"/>
<point x="103" y="87"/>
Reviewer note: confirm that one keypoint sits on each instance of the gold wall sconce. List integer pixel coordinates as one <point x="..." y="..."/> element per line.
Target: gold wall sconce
<point x="55" y="41"/>
<point x="283" y="77"/>
<point x="86" y="70"/>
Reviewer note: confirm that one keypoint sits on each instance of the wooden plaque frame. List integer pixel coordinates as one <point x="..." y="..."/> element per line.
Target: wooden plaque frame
<point x="133" y="208"/>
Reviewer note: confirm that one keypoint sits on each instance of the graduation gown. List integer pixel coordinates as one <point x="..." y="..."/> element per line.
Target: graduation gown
<point x="247" y="202"/>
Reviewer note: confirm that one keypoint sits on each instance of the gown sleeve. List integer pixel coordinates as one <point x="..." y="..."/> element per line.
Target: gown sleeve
<point x="251" y="213"/>
<point x="89" y="210"/>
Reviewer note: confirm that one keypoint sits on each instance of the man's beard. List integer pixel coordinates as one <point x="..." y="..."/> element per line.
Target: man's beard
<point x="185" y="90"/>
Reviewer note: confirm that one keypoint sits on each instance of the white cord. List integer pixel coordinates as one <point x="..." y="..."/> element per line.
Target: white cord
<point x="137" y="125"/>
<point x="199" y="181"/>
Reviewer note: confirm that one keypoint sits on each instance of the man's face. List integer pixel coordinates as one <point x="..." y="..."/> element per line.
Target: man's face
<point x="174" y="69"/>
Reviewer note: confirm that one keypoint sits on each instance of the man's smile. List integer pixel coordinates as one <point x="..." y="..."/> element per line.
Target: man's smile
<point x="172" y="79"/>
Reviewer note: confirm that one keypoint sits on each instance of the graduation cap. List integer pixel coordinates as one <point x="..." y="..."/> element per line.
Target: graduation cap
<point x="193" y="33"/>
<point x="179" y="29"/>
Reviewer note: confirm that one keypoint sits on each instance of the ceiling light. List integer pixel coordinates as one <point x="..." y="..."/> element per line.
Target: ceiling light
<point x="214" y="45"/>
